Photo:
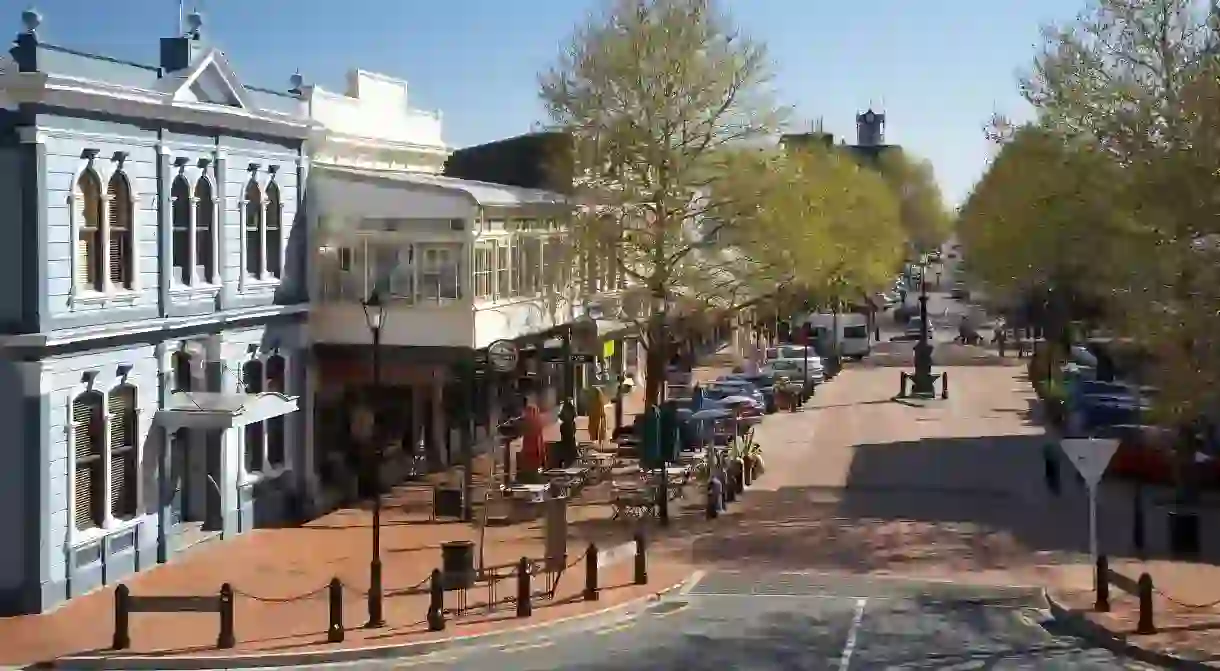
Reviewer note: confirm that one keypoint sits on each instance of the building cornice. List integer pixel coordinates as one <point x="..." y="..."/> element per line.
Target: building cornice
<point x="90" y="95"/>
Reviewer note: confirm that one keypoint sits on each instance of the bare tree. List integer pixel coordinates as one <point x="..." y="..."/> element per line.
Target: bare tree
<point x="657" y="95"/>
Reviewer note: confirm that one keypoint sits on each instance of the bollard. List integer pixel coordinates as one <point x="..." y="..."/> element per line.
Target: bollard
<point x="746" y="471"/>
<point x="739" y="478"/>
<point x="524" y="607"/>
<point x="436" y="602"/>
<point x="944" y="386"/>
<point x="334" y="630"/>
<point x="122" y="618"/>
<point x="590" y="592"/>
<point x="730" y="492"/>
<point x="226" y="638"/>
<point x="1137" y="521"/>
<point x="1144" y="587"/>
<point x="641" y="560"/>
<point x="1101" y="584"/>
<point x="1050" y="464"/>
<point x="902" y="384"/>
<point x="714" y="493"/>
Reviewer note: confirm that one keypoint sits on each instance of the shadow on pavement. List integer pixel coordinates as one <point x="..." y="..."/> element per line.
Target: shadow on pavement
<point x="946" y="505"/>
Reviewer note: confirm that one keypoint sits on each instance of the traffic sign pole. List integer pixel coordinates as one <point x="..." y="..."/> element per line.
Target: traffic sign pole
<point x="1090" y="456"/>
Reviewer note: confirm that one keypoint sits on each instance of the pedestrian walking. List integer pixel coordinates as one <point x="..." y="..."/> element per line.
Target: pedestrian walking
<point x="597" y="415"/>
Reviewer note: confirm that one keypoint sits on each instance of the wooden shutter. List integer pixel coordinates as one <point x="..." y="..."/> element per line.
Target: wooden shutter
<point x="205" y="256"/>
<point x="123" y="428"/>
<point x="277" y="382"/>
<point x="87" y="206"/>
<point x="254" y="242"/>
<point x="119" y="245"/>
<point x="87" y="452"/>
<point x="273" y="226"/>
<point x="255" y="433"/>
<point x="180" y="243"/>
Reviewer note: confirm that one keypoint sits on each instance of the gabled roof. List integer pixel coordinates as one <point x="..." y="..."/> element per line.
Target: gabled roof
<point x="190" y="84"/>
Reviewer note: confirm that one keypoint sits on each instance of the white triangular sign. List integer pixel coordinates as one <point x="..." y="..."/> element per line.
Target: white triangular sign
<point x="1090" y="456"/>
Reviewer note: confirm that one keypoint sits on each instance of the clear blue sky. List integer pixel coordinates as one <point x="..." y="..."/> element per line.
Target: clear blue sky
<point x="939" y="68"/>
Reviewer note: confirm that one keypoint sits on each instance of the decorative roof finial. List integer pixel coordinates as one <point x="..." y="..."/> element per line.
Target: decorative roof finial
<point x="31" y="19"/>
<point x="194" y="21"/>
<point x="295" y="82"/>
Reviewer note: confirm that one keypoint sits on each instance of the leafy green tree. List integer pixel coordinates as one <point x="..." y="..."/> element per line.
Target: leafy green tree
<point x="922" y="208"/>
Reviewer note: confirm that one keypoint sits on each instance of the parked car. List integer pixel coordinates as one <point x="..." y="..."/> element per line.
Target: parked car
<point x="764" y="382"/>
<point x="794" y="370"/>
<point x="737" y="388"/>
<point x="914" y="328"/>
<point x="959" y="291"/>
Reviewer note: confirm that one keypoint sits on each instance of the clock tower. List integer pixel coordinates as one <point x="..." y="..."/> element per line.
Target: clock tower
<point x="870" y="129"/>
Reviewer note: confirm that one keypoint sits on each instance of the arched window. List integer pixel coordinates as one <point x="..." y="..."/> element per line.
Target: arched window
<point x="205" y="210"/>
<point x="182" y="371"/>
<point x="277" y="381"/>
<point x="274" y="228"/>
<point x="124" y="432"/>
<point x="120" y="245"/>
<point x="88" y="450"/>
<point x="87" y="201"/>
<point x="254" y="232"/>
<point x="256" y="435"/>
<point x="180" y="207"/>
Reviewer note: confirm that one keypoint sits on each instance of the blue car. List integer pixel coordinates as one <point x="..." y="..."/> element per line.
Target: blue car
<point x="1097" y="407"/>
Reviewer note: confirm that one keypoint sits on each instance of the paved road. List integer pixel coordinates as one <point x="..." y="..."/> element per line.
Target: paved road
<point x="757" y="622"/>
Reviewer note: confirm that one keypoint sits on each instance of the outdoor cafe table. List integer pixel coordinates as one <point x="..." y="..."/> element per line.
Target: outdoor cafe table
<point x="675" y="474"/>
<point x="571" y="474"/>
<point x="528" y="493"/>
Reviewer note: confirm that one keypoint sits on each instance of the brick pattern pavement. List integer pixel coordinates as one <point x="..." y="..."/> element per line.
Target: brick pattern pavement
<point x="280" y="576"/>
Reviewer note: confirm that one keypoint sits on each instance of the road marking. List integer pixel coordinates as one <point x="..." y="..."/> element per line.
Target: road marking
<point x="606" y="631"/>
<point x="850" y="646"/>
<point x="695" y="579"/>
<point x="679" y="609"/>
<point x="544" y="643"/>
<point x="756" y="595"/>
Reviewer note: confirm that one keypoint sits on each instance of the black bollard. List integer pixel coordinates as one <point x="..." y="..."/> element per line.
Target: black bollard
<point x="524" y="607"/>
<point x="334" y="630"/>
<point x="944" y="386"/>
<point x="590" y="592"/>
<point x="641" y="560"/>
<point x="730" y="492"/>
<point x="1050" y="464"/>
<point x="1101" y="584"/>
<point x="747" y="471"/>
<point x="436" y="602"/>
<point x="715" y="493"/>
<point x="227" y="638"/>
<point x="902" y="384"/>
<point x="1144" y="587"/>
<point x="122" y="618"/>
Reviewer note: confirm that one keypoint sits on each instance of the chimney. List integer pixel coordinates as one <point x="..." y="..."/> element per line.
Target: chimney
<point x="177" y="53"/>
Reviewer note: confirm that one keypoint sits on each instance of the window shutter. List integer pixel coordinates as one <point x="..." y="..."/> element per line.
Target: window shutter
<point x="119" y="220"/>
<point x="273" y="226"/>
<point x="180" y="194"/>
<point x="254" y="241"/>
<point x="122" y="402"/>
<point x="84" y="260"/>
<point x="204" y="212"/>
<point x="88" y="477"/>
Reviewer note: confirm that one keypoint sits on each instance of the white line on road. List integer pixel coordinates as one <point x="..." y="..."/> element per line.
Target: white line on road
<point x="691" y="582"/>
<point x="850" y="646"/>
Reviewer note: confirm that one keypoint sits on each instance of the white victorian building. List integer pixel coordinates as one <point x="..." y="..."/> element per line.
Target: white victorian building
<point x="462" y="263"/>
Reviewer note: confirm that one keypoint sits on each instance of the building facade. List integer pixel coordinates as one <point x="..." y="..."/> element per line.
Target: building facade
<point x="152" y="341"/>
<point x="462" y="264"/>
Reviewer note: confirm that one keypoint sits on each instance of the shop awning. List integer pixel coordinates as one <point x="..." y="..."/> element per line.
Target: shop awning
<point x="220" y="411"/>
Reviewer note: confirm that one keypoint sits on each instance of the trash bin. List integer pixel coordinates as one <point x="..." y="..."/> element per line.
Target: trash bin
<point x="457" y="564"/>
<point x="447" y="502"/>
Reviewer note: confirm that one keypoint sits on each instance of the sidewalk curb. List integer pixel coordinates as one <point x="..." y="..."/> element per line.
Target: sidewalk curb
<point x="1076" y="624"/>
<point x="342" y="656"/>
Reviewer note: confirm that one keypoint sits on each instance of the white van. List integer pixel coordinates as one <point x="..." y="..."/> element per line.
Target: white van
<point x="853" y="337"/>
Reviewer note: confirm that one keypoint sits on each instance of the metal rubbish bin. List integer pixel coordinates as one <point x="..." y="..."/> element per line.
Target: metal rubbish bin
<point x="457" y="564"/>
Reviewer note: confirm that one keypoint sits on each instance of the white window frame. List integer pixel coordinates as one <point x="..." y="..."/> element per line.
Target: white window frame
<point x="109" y="296"/>
<point x="245" y="477"/>
<point x="110" y="524"/>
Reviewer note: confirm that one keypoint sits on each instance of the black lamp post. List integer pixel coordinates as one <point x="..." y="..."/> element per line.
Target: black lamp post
<point x="374" y="314"/>
<point x="923" y="384"/>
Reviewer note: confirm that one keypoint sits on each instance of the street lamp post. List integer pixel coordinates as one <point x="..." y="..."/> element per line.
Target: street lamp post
<point x="923" y="384"/>
<point x="661" y="339"/>
<point x="374" y="314"/>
